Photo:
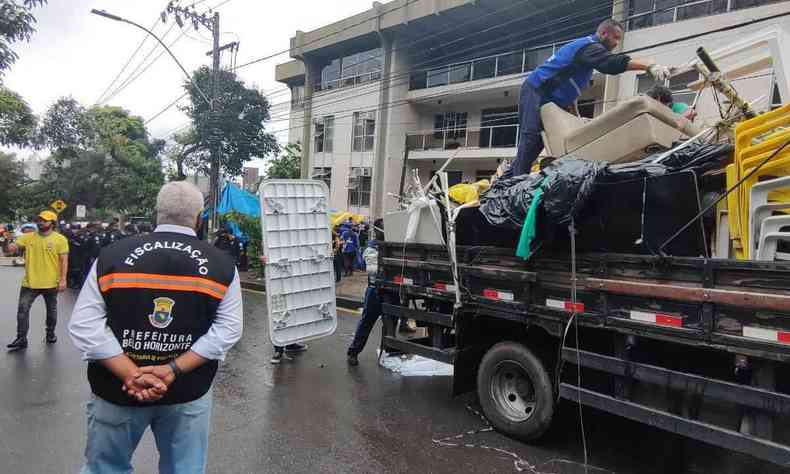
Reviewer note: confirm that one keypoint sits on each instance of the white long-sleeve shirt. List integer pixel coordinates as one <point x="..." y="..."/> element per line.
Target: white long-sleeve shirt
<point x="95" y="340"/>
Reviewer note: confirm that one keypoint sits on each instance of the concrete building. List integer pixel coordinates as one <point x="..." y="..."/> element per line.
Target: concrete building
<point x="410" y="84"/>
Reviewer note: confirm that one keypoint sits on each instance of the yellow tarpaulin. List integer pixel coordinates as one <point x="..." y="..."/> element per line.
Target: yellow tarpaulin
<point x="465" y="193"/>
<point x="337" y="218"/>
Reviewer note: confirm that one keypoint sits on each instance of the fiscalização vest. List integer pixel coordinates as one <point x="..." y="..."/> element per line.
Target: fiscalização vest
<point x="162" y="291"/>
<point x="559" y="79"/>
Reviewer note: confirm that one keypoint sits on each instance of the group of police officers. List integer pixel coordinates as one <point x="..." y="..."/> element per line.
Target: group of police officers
<point x="86" y="242"/>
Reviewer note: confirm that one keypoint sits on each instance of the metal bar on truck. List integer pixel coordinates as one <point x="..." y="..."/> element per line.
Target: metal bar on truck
<point x="695" y="384"/>
<point x="447" y="355"/>
<point x="759" y="448"/>
<point x="425" y="316"/>
<point x="741" y="299"/>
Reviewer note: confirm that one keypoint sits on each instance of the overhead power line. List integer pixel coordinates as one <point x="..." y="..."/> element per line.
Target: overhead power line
<point x="128" y="61"/>
<point x="142" y="67"/>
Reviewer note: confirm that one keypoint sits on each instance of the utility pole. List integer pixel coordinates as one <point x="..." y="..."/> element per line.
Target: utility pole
<point x="215" y="139"/>
<point x="212" y="23"/>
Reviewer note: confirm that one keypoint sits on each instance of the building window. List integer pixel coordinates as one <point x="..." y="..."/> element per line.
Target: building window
<point x="586" y="108"/>
<point x="297" y="96"/>
<point x="357" y="68"/>
<point x="450" y="124"/>
<point x="646" y="13"/>
<point x="776" y="97"/>
<point x="677" y="84"/>
<point x="360" y="182"/>
<point x="324" y="134"/>
<point x="484" y="174"/>
<point x="498" y="127"/>
<point x="364" y="131"/>
<point x="323" y="174"/>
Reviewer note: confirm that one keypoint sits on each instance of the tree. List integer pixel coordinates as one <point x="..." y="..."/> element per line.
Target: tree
<point x="16" y="24"/>
<point x="12" y="178"/>
<point x="17" y="122"/>
<point x="67" y="127"/>
<point x="101" y="157"/>
<point x="288" y="165"/>
<point x="183" y="153"/>
<point x="235" y="127"/>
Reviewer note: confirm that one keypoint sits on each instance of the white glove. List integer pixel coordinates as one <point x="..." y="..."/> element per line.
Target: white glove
<point x="659" y="73"/>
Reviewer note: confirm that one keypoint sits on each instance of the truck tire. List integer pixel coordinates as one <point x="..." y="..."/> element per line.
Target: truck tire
<point x="515" y="391"/>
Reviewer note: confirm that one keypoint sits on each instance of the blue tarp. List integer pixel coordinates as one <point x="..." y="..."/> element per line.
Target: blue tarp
<point x="234" y="198"/>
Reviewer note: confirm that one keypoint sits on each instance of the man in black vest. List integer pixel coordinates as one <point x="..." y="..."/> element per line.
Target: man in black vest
<point x="156" y="314"/>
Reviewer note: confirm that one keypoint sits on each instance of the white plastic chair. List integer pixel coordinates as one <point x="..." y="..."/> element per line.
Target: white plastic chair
<point x="757" y="215"/>
<point x="722" y="240"/>
<point x="774" y="224"/>
<point x="768" y="245"/>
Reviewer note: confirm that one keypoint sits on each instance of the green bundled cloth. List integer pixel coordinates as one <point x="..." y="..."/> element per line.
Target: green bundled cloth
<point x="529" y="231"/>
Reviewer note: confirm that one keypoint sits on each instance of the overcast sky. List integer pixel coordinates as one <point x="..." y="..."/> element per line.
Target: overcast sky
<point x="78" y="54"/>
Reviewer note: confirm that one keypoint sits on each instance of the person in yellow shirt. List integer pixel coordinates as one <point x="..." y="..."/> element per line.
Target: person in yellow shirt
<point x="46" y="264"/>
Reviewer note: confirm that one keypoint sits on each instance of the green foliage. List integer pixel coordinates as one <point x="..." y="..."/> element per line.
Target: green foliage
<point x="287" y="165"/>
<point x="17" y="122"/>
<point x="251" y="227"/>
<point x="16" y="24"/>
<point x="12" y="180"/>
<point x="101" y="158"/>
<point x="67" y="127"/>
<point x="235" y="127"/>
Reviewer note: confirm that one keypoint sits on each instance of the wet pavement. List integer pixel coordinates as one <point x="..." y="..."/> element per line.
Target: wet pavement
<point x="316" y="414"/>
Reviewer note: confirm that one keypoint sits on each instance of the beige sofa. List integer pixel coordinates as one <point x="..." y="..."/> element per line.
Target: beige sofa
<point x="620" y="135"/>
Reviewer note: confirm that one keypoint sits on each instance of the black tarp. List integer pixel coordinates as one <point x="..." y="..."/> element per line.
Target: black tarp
<point x="566" y="186"/>
<point x="628" y="208"/>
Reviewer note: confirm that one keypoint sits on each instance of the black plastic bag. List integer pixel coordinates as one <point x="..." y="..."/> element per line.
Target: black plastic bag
<point x="568" y="184"/>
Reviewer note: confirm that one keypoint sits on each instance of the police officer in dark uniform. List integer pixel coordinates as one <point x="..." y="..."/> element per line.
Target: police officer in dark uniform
<point x="173" y="306"/>
<point x="74" y="276"/>
<point x="111" y="234"/>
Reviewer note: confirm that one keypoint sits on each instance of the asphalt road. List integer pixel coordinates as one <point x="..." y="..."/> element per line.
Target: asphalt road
<point x="316" y="414"/>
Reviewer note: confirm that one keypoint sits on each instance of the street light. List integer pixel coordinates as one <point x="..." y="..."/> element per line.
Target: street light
<point x="124" y="20"/>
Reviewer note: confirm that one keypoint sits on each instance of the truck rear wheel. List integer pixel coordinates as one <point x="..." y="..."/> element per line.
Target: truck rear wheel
<point x="515" y="391"/>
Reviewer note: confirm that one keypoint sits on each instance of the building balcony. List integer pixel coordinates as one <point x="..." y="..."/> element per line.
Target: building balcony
<point x="488" y="67"/>
<point x="646" y="13"/>
<point x="498" y="141"/>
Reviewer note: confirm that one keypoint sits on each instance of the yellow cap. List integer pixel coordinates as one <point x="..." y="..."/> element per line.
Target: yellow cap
<point x="48" y="215"/>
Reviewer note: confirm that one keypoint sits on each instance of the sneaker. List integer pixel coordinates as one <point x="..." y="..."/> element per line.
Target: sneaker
<point x="294" y="348"/>
<point x="51" y="338"/>
<point x="18" y="344"/>
<point x="352" y="360"/>
<point x="278" y="357"/>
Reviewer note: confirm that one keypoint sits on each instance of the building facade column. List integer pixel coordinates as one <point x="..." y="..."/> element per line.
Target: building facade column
<point x="611" y="87"/>
<point x="378" y="192"/>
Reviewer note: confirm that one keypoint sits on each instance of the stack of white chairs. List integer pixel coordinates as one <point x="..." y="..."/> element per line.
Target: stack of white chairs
<point x="767" y="230"/>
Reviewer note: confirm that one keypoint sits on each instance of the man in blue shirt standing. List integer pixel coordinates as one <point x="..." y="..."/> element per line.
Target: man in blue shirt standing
<point x="350" y="246"/>
<point x="561" y="80"/>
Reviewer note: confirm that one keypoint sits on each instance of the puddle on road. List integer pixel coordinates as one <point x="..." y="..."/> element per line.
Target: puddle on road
<point x="552" y="466"/>
<point x="414" y="366"/>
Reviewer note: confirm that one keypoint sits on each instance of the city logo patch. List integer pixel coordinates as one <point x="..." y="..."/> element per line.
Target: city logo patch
<point x="161" y="317"/>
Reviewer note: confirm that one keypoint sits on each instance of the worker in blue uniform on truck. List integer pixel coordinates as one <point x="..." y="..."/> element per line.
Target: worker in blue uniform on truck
<point x="561" y="80"/>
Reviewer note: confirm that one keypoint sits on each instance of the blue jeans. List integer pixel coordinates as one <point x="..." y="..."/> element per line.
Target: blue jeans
<point x="370" y="314"/>
<point x="180" y="431"/>
<point x="530" y="142"/>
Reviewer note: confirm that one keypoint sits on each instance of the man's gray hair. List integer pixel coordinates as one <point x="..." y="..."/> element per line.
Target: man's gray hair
<point x="178" y="203"/>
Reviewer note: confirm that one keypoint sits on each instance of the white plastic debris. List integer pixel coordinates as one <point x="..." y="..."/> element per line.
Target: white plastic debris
<point x="415" y="366"/>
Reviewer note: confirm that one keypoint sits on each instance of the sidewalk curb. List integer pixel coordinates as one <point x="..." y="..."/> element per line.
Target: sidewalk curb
<point x="252" y="285"/>
<point x="342" y="301"/>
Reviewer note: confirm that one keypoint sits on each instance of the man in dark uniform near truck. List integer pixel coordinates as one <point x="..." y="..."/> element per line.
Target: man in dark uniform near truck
<point x="156" y="315"/>
<point x="561" y="80"/>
